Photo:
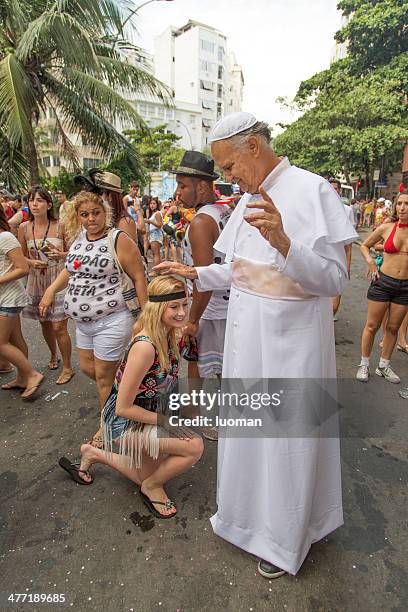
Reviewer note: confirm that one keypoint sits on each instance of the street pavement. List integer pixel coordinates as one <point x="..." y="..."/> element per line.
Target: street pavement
<point x="100" y="547"/>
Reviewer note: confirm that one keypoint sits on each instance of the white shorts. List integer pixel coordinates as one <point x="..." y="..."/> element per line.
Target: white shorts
<point x="107" y="337"/>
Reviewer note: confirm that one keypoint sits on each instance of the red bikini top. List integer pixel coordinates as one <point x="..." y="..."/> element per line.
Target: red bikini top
<point x="389" y="246"/>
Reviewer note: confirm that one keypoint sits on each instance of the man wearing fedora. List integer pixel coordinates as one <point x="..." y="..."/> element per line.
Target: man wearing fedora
<point x="195" y="176"/>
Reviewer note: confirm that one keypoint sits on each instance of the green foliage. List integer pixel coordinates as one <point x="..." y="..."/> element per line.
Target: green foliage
<point x="355" y="114"/>
<point x="64" y="181"/>
<point x="67" y="55"/>
<point x="158" y="148"/>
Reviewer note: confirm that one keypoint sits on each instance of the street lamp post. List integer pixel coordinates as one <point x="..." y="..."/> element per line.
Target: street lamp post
<point x="138" y="9"/>
<point x="188" y="132"/>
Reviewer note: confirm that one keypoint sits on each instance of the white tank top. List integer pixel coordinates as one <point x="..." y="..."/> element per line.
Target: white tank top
<point x="218" y="305"/>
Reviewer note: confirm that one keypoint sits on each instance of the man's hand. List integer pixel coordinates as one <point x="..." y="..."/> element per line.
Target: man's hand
<point x="173" y="267"/>
<point x="269" y="223"/>
<point x="191" y="330"/>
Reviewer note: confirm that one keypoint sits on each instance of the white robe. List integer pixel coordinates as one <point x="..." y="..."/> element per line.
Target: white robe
<point x="276" y="496"/>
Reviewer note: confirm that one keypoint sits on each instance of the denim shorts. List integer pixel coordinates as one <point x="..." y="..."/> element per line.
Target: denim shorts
<point x="10" y="311"/>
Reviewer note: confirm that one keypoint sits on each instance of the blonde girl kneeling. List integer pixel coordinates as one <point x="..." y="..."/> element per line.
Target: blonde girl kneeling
<point x="135" y="443"/>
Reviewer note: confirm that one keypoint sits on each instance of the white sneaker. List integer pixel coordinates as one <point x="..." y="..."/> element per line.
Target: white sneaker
<point x="363" y="373"/>
<point x="388" y="374"/>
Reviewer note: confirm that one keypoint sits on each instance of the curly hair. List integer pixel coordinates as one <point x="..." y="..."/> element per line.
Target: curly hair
<point x="73" y="224"/>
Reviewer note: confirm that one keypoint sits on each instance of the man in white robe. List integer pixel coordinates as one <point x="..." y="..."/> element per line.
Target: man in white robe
<point x="284" y="260"/>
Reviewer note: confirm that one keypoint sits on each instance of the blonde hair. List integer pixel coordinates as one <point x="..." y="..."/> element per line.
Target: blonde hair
<point x="72" y="223"/>
<point x="150" y="319"/>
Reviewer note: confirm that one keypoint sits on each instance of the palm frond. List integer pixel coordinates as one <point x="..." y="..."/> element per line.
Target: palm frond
<point x="12" y="21"/>
<point x="99" y="96"/>
<point x="17" y="101"/>
<point x="95" y="14"/>
<point x="119" y="73"/>
<point x="62" y="33"/>
<point x="14" y="170"/>
<point x="65" y="146"/>
<point x="78" y="117"/>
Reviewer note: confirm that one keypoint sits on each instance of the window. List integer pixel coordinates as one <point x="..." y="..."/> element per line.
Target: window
<point x="207" y="85"/>
<point x="207" y="104"/>
<point x="192" y="119"/>
<point x="46" y="162"/>
<point x="143" y="109"/>
<point x="161" y="112"/>
<point x="207" y="45"/>
<point x="56" y="161"/>
<point x="221" y="53"/>
<point x="151" y="111"/>
<point x="207" y="66"/>
<point x="219" y="110"/>
<point x="169" y="113"/>
<point x="220" y="72"/>
<point x="206" y="124"/>
<point x="220" y="91"/>
<point x="91" y="162"/>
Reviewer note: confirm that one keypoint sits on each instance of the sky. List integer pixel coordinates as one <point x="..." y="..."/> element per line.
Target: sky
<point x="278" y="43"/>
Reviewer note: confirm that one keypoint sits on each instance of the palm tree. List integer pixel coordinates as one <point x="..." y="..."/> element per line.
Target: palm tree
<point x="67" y="55"/>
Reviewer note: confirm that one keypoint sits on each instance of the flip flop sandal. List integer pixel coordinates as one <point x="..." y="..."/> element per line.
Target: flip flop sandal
<point x="167" y="504"/>
<point x="7" y="371"/>
<point x="65" y="379"/>
<point x="32" y="390"/>
<point x="74" y="471"/>
<point x="403" y="349"/>
<point x="54" y="364"/>
<point x="11" y="386"/>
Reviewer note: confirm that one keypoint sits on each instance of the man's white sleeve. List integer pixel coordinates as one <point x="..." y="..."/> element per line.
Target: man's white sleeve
<point x="316" y="274"/>
<point x="214" y="277"/>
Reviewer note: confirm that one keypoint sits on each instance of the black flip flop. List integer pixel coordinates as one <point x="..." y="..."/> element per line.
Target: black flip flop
<point x="74" y="471"/>
<point x="149" y="505"/>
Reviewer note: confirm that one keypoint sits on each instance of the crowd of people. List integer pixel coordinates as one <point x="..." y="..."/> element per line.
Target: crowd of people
<point x="265" y="276"/>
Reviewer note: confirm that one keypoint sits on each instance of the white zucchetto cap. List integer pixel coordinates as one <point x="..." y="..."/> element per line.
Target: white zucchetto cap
<point x="231" y="125"/>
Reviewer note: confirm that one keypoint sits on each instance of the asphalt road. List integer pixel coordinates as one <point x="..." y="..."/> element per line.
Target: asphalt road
<point x="100" y="548"/>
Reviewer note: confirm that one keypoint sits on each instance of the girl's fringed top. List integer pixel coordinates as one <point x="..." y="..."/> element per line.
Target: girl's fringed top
<point x="125" y="436"/>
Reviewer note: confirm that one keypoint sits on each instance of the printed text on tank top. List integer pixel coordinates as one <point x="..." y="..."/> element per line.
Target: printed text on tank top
<point x="389" y="246"/>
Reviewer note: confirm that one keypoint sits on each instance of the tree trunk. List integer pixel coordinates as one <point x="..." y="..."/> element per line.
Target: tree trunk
<point x="405" y="167"/>
<point x="31" y="153"/>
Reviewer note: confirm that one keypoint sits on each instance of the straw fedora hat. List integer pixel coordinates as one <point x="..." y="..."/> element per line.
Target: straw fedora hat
<point x="106" y="180"/>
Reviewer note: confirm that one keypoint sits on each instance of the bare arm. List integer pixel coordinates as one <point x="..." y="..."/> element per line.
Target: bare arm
<point x="60" y="283"/>
<point x="140" y="360"/>
<point x="370" y="242"/>
<point x="156" y="220"/>
<point x="20" y="266"/>
<point x="16" y="221"/>
<point x="140" y="221"/>
<point x="349" y="249"/>
<point x="131" y="261"/>
<point x="126" y="224"/>
<point x="203" y="235"/>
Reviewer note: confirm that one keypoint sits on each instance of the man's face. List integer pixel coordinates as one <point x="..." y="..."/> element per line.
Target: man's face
<point x="134" y="191"/>
<point x="186" y="191"/>
<point x="240" y="164"/>
<point x="336" y="187"/>
<point x="61" y="197"/>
